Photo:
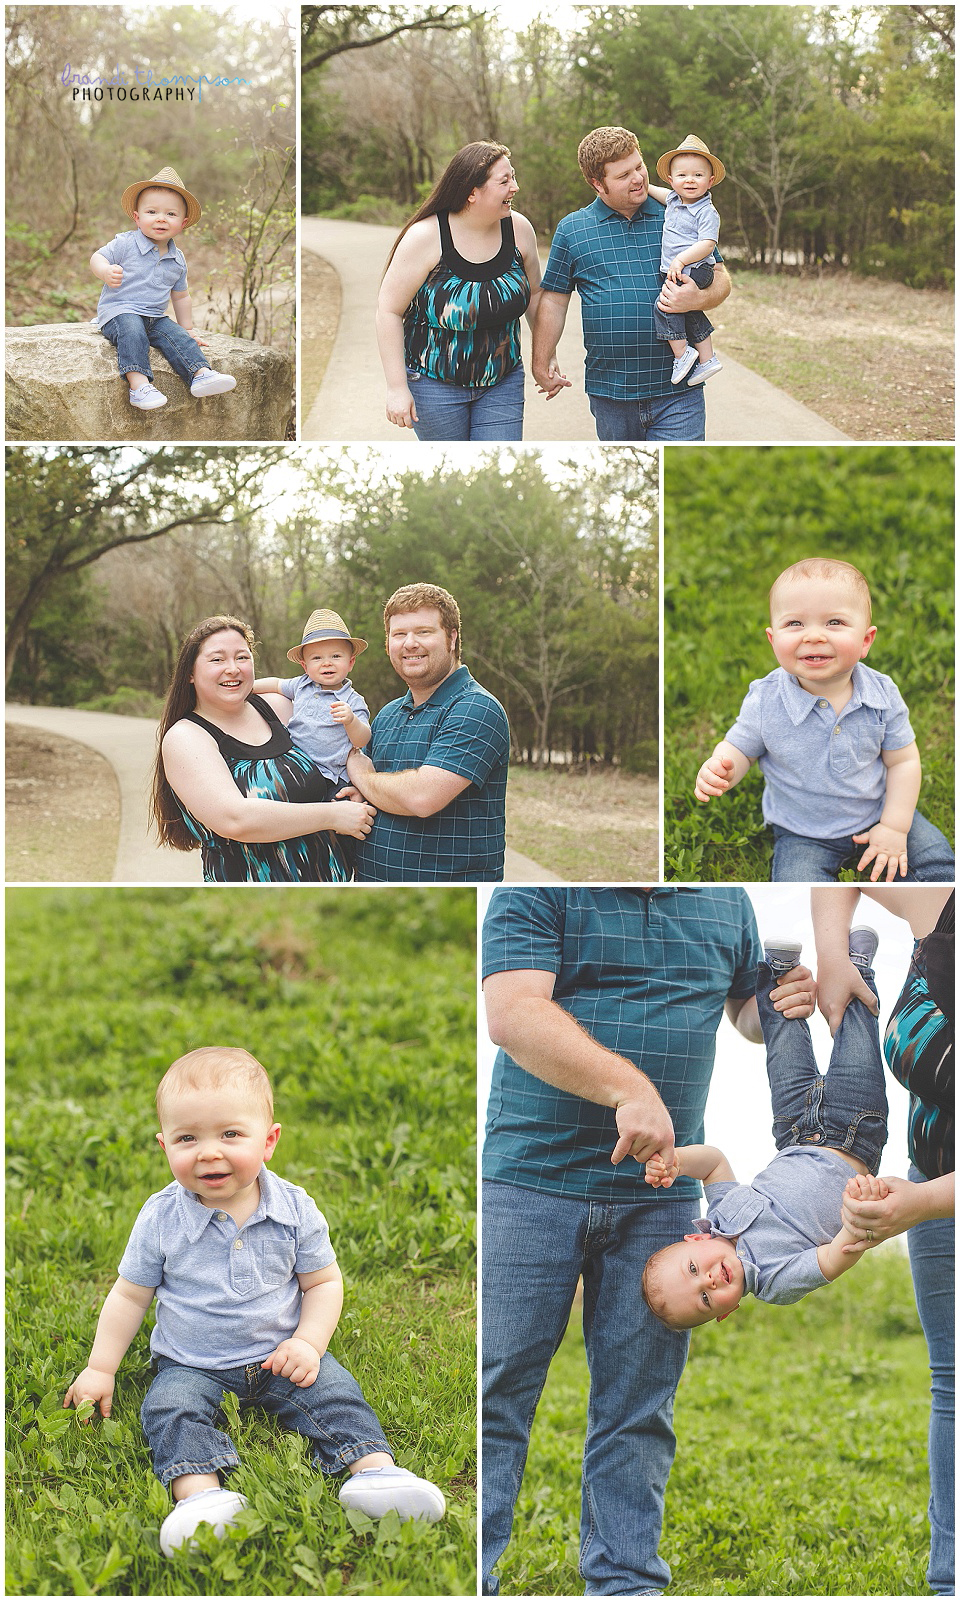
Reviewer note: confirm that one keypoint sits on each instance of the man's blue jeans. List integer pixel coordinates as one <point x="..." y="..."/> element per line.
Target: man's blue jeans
<point x="679" y="416"/>
<point x="182" y="1407"/>
<point x="845" y="1108"/>
<point x="447" y="412"/>
<point x="799" y="860"/>
<point x="535" y="1247"/>
<point x="133" y="335"/>
<point x="932" y="1264"/>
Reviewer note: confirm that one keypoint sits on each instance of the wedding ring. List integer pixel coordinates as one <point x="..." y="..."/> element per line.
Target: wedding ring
<point x="869" y="1234"/>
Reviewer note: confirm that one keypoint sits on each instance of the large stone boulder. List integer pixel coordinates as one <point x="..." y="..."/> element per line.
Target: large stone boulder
<point x="62" y="383"/>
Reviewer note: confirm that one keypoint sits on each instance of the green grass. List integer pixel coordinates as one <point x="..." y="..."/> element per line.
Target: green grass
<point x="734" y="519"/>
<point x="801" y="1459"/>
<point x="361" y="1006"/>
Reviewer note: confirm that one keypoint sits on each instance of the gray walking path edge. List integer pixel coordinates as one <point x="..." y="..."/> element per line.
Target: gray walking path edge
<point x="741" y="406"/>
<point x="129" y="744"/>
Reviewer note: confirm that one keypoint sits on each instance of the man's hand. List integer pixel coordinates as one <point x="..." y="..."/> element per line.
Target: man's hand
<point x="886" y="848"/>
<point x="114" y="278"/>
<point x="714" y="778"/>
<point x="658" y="1173"/>
<point x="295" y="1360"/>
<point x="796" y="993"/>
<point x="550" y="380"/>
<point x="92" y="1385"/>
<point x="645" y="1128"/>
<point x="678" y="298"/>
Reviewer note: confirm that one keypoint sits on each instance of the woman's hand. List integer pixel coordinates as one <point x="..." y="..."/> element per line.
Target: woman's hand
<point x="876" y="1209"/>
<point x="401" y="408"/>
<point x="839" y="983"/>
<point x="354" y="818"/>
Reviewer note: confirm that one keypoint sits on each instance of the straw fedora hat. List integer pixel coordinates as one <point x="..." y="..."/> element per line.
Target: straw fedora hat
<point x="324" y="624"/>
<point x="166" y="178"/>
<point x="690" y="144"/>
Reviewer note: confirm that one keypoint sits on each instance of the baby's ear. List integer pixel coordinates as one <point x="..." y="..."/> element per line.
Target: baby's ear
<point x="696" y="1236"/>
<point x="160" y="1142"/>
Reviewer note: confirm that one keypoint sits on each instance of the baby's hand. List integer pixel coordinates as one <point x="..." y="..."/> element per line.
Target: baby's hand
<point x="675" y="270"/>
<point x="340" y="711"/>
<point x="92" y="1385"/>
<point x="867" y="1187"/>
<point x="886" y="848"/>
<point x="114" y="278"/>
<point x="296" y="1360"/>
<point x="713" y="778"/>
<point x="657" y="1173"/>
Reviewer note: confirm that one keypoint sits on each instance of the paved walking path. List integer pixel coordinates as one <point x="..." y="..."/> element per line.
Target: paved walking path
<point x="129" y="744"/>
<point x="350" y="403"/>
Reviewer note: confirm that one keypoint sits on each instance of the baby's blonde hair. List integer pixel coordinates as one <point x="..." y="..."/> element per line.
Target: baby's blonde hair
<point x="824" y="567"/>
<point x="215" y="1067"/>
<point x="652" y="1286"/>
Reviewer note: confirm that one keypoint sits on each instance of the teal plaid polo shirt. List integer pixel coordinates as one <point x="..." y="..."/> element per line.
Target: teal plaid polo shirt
<point x="613" y="263"/>
<point x="463" y="729"/>
<point x="646" y="973"/>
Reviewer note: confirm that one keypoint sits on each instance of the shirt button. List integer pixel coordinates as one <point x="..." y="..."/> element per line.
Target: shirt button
<point x="221" y="1217"/>
<point x="238" y="1245"/>
<point x="836" y="728"/>
<point x="823" y="704"/>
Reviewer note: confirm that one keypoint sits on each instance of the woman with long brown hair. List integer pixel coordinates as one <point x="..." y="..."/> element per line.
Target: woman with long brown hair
<point x="230" y="780"/>
<point x="462" y="273"/>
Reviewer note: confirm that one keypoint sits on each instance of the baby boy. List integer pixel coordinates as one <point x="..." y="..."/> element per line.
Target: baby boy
<point x="777" y="1238"/>
<point x="833" y="740"/>
<point x="248" y="1295"/>
<point x="691" y="229"/>
<point x="142" y="271"/>
<point x="330" y="719"/>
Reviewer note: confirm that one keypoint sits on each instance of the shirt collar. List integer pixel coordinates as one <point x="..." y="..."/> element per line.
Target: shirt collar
<point x="648" y="209"/>
<point x="274" y="1202"/>
<point x="447" y="691"/>
<point x="868" y="690"/>
<point x="145" y="245"/>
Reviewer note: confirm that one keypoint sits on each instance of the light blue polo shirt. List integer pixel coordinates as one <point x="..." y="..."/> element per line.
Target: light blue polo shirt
<point x="150" y="276"/>
<point x="313" y="726"/>
<point x="790" y="1208"/>
<point x="823" y="771"/>
<point x="646" y="974"/>
<point x="226" y="1297"/>
<point x="685" y="225"/>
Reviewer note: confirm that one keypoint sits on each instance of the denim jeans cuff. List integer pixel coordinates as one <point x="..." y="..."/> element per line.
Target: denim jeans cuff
<point x="214" y="1464"/>
<point x="353" y="1453"/>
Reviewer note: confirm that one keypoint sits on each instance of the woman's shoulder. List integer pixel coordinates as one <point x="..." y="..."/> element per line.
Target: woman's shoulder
<point x="523" y="230"/>
<point x="420" y="244"/>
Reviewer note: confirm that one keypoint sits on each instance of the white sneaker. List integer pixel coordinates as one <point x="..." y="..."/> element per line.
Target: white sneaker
<point x="704" y="370"/>
<point x="147" y="398"/>
<point x="377" y="1491"/>
<point x="218" y="1507"/>
<point x="682" y="365"/>
<point x="212" y="383"/>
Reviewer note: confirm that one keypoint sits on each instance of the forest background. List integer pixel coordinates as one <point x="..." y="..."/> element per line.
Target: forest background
<point x="835" y="123"/>
<point x="114" y="554"/>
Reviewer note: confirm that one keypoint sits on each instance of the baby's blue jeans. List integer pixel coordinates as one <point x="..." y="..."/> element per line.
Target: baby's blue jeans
<point x="182" y="1407"/>
<point x="133" y="335"/>
<point x="844" y="1109"/>
<point x="798" y="859"/>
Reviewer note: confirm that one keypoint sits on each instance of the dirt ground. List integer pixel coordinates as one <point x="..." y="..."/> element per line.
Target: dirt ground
<point x="873" y="358"/>
<point x="593" y="827"/>
<point x="62" y="810"/>
<point x="319" y="316"/>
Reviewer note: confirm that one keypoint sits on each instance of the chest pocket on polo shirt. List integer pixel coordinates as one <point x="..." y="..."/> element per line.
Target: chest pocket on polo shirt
<point x="866" y="739"/>
<point x="170" y="271"/>
<point x="273" y="1260"/>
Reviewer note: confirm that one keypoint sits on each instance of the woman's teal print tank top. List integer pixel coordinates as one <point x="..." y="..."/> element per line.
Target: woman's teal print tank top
<point x="463" y="324"/>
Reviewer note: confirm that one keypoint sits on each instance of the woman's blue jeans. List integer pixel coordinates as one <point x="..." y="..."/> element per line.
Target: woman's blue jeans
<point x="844" y="1109"/>
<point x="133" y="335"/>
<point x="447" y="412"/>
<point x="535" y="1248"/>
<point x="800" y="860"/>
<point x="182" y="1407"/>
<point x="932" y="1263"/>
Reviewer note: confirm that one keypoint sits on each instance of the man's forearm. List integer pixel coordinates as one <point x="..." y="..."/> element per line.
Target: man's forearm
<point x="396" y="793"/>
<point x="716" y="293"/>
<point x="546" y="1041"/>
